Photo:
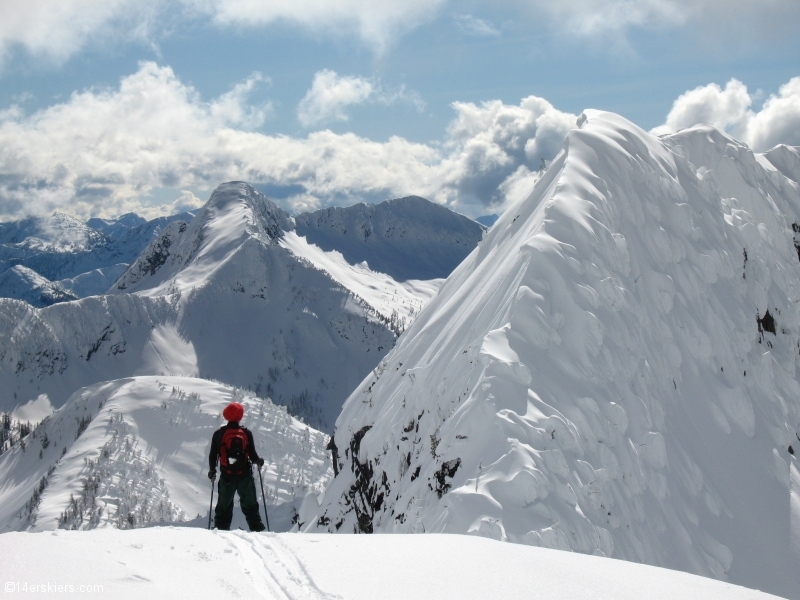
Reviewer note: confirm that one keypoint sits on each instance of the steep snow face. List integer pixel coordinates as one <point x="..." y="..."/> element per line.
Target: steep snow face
<point x="188" y="256"/>
<point x="134" y="452"/>
<point x="406" y="238"/>
<point x="397" y="301"/>
<point x="612" y="371"/>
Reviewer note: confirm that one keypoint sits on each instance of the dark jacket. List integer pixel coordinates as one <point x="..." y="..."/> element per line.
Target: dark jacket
<point x="216" y="440"/>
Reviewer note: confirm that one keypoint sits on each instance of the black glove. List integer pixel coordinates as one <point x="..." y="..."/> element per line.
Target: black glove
<point x="212" y="474"/>
<point x="260" y="462"/>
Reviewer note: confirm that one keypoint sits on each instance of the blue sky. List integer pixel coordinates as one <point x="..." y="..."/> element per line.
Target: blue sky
<point x="110" y="106"/>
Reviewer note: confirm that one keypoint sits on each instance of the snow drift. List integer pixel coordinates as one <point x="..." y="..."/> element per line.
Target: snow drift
<point x="134" y="452"/>
<point x="167" y="562"/>
<point x="613" y="370"/>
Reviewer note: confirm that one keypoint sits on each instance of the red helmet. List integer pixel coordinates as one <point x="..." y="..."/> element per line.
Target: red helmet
<point x="233" y="412"/>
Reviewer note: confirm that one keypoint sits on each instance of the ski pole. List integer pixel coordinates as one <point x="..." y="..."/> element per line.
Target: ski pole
<point x="211" y="503"/>
<point x="261" y="479"/>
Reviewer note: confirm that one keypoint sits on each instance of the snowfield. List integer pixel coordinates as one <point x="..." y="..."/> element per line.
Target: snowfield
<point x="613" y="371"/>
<point x="134" y="452"/>
<point x="165" y="562"/>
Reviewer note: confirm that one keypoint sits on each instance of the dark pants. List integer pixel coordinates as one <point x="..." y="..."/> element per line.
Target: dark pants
<point x="246" y="488"/>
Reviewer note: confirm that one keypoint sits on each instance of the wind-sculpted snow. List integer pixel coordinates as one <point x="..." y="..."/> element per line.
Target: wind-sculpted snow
<point x="406" y="238"/>
<point x="612" y="371"/>
<point x="134" y="452"/>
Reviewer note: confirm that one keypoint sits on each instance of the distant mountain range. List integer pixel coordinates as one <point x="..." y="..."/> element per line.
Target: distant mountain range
<point x="235" y="293"/>
<point x="45" y="260"/>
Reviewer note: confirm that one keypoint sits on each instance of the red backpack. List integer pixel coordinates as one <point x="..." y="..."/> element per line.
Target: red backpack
<point x="233" y="459"/>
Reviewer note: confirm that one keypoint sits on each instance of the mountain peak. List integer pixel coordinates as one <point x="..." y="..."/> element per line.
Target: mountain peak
<point x="407" y="238"/>
<point x="602" y="375"/>
<point x="187" y="255"/>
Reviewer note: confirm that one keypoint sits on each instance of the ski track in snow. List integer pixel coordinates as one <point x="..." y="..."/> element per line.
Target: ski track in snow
<point x="274" y="569"/>
<point x="166" y="562"/>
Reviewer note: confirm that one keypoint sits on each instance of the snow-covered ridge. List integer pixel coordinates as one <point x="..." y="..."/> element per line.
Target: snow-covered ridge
<point x="612" y="371"/>
<point x="188" y="255"/>
<point x="190" y="563"/>
<point x="26" y="284"/>
<point x="134" y="452"/>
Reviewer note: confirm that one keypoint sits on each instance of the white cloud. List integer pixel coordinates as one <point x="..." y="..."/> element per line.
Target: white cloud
<point x="111" y="151"/>
<point x="729" y="109"/>
<point x="778" y="121"/>
<point x="104" y="152"/>
<point x="476" y="27"/>
<point x="331" y="94"/>
<point x="231" y="107"/>
<point x="490" y="143"/>
<point x="57" y="30"/>
<point x="376" y="22"/>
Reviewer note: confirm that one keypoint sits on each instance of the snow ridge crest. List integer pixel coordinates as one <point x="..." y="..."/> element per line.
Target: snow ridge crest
<point x="602" y="375"/>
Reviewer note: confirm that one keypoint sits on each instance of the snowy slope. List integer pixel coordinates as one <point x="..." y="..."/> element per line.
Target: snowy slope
<point x="406" y="238"/>
<point x="234" y="295"/>
<point x="134" y="452"/>
<point x="167" y="562"/>
<point x="612" y="371"/>
<point x="398" y="301"/>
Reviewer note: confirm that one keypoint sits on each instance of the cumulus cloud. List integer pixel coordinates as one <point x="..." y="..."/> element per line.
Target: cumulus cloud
<point x="104" y="152"/>
<point x="729" y="109"/>
<point x="493" y="144"/>
<point x="331" y="94"/>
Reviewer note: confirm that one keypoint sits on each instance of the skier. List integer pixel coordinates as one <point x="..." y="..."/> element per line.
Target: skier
<point x="233" y="445"/>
